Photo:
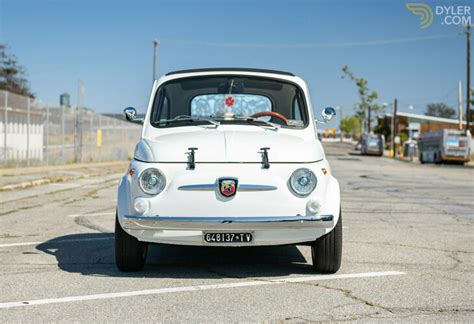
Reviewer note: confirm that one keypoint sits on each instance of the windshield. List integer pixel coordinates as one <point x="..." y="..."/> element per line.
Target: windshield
<point x="229" y="99"/>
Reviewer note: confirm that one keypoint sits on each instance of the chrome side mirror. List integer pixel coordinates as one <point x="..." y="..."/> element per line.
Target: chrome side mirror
<point x="327" y="114"/>
<point x="131" y="115"/>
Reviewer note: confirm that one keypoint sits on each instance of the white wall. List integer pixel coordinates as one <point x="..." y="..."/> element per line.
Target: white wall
<point x="17" y="136"/>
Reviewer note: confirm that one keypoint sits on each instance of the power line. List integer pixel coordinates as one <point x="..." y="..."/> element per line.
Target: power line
<point x="419" y="101"/>
<point x="306" y="45"/>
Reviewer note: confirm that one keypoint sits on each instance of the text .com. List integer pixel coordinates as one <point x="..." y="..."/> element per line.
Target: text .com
<point x="454" y="15"/>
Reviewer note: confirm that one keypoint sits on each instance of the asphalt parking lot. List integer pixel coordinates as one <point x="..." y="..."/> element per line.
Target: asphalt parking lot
<point x="407" y="256"/>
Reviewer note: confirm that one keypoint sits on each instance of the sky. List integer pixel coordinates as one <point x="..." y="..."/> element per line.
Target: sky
<point x="108" y="45"/>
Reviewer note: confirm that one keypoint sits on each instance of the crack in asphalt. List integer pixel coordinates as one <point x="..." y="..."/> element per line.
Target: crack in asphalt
<point x="346" y="292"/>
<point x="91" y="194"/>
<point x="84" y="222"/>
<point x="455" y="257"/>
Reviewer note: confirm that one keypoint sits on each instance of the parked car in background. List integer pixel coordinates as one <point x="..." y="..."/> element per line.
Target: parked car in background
<point x="229" y="157"/>
<point x="372" y="144"/>
<point x="445" y="145"/>
<point x="358" y="145"/>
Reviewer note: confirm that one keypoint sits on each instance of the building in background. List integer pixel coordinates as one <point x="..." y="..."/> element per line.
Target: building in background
<point x="21" y="129"/>
<point x="414" y="125"/>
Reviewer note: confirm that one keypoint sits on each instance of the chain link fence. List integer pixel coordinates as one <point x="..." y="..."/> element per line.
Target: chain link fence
<point x="32" y="133"/>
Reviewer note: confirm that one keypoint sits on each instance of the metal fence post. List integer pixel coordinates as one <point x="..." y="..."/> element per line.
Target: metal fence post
<point x="5" y="126"/>
<point x="100" y="127"/>
<point x="28" y="131"/>
<point x="47" y="135"/>
<point x="92" y="139"/>
<point x="62" y="134"/>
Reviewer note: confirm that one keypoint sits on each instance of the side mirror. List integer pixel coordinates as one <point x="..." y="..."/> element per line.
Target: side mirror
<point x="131" y="115"/>
<point x="327" y="114"/>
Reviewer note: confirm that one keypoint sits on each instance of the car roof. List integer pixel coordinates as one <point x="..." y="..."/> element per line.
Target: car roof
<point x="231" y="70"/>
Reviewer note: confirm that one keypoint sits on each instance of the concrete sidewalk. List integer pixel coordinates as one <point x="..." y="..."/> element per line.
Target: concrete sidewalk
<point x="25" y="177"/>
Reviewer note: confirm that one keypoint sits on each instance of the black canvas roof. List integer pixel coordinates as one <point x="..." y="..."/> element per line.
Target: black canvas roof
<point x="231" y="69"/>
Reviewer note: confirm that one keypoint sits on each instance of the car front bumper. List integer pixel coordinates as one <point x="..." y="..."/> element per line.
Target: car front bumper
<point x="266" y="231"/>
<point x="227" y="223"/>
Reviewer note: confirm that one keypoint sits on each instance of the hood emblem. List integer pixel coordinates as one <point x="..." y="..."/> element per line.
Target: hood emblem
<point x="228" y="187"/>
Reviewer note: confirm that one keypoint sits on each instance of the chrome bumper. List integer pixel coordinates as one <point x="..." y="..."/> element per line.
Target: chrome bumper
<point x="226" y="223"/>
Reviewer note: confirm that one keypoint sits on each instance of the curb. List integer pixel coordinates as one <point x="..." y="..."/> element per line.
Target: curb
<point x="54" y="167"/>
<point x="26" y="184"/>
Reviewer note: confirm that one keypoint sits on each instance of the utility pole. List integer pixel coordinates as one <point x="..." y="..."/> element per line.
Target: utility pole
<point x="460" y="104"/>
<point x="156" y="42"/>
<point x="393" y="128"/>
<point x="468" y="78"/>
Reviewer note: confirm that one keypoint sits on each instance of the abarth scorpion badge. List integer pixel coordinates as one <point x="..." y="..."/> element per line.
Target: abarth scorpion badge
<point x="228" y="187"/>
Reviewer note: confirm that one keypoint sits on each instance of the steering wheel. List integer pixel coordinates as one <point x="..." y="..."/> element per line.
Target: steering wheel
<point x="270" y="114"/>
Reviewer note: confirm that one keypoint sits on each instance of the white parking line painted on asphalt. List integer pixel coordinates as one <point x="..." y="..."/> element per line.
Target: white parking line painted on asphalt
<point x="87" y="215"/>
<point x="160" y="291"/>
<point x="57" y="242"/>
<point x="19" y="244"/>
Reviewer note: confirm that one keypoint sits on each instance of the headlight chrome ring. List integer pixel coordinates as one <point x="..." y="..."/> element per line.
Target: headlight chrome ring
<point x="152" y="181"/>
<point x="303" y="182"/>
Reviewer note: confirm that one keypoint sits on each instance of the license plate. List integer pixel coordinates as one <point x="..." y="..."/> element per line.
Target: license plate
<point x="228" y="237"/>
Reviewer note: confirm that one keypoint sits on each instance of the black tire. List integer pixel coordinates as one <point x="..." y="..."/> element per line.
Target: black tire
<point x="421" y="159"/>
<point x="327" y="250"/>
<point x="130" y="253"/>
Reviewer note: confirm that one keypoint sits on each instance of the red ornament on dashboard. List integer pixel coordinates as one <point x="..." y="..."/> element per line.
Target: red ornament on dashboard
<point x="229" y="101"/>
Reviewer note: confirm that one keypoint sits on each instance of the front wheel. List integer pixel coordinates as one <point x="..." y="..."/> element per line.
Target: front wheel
<point x="130" y="253"/>
<point x="327" y="250"/>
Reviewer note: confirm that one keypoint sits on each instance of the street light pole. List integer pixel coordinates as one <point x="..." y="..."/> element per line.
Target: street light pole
<point x="156" y="42"/>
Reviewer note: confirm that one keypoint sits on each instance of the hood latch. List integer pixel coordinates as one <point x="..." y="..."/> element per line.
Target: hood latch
<point x="265" y="162"/>
<point x="191" y="160"/>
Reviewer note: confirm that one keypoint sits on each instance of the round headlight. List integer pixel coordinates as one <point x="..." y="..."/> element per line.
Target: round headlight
<point x="303" y="182"/>
<point x="152" y="181"/>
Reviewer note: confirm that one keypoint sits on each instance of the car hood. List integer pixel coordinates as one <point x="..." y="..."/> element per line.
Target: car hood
<point x="229" y="146"/>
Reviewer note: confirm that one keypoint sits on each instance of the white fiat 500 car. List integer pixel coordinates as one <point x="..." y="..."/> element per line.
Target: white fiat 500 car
<point x="230" y="158"/>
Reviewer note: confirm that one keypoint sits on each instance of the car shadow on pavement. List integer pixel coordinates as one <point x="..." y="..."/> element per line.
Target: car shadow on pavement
<point x="93" y="254"/>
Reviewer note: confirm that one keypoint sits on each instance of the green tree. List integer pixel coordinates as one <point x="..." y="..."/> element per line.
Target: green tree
<point x="351" y="125"/>
<point x="366" y="96"/>
<point x="382" y="129"/>
<point x="439" y="109"/>
<point x="12" y="74"/>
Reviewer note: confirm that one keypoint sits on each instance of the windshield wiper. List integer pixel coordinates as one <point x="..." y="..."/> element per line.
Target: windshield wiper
<point x="257" y="120"/>
<point x="189" y="118"/>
